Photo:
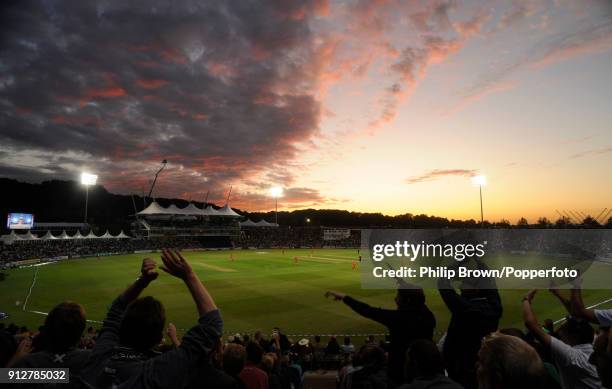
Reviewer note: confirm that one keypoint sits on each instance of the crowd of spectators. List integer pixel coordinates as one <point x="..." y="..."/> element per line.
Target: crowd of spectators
<point x="77" y="248"/>
<point x="128" y="350"/>
<point x="249" y="238"/>
<point x="293" y="237"/>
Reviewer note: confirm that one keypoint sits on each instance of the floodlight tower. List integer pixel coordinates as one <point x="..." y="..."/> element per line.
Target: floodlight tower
<point x="164" y="162"/>
<point x="480" y="181"/>
<point x="88" y="180"/>
<point x="276" y="192"/>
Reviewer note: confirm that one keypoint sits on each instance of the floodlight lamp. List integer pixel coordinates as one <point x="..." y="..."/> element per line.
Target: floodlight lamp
<point x="88" y="179"/>
<point x="479" y="180"/>
<point x="276" y="191"/>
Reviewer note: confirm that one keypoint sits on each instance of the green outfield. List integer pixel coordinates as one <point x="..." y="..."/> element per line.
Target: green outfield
<point x="260" y="289"/>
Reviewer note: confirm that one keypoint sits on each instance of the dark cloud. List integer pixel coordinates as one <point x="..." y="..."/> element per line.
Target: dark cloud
<point x="438" y="173"/>
<point x="218" y="88"/>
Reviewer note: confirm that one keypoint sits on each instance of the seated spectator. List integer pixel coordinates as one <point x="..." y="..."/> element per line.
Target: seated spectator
<point x="304" y="352"/>
<point x="333" y="348"/>
<point x="252" y="376"/>
<point x="425" y="367"/>
<point x="234" y="359"/>
<point x="8" y="348"/>
<point x="60" y="337"/>
<point x="123" y="353"/>
<point x="373" y="374"/>
<point x="602" y="356"/>
<point x="211" y="375"/>
<point x="259" y="338"/>
<point x="347" y="347"/>
<point x="346" y="367"/>
<point x="290" y="371"/>
<point x="283" y="341"/>
<point x="410" y="321"/>
<point x="371" y="340"/>
<point x="269" y="364"/>
<point x="570" y="352"/>
<point x="507" y="362"/>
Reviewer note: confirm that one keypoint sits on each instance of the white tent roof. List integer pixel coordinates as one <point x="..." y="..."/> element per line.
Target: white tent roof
<point x="191" y="209"/>
<point x="91" y="235"/>
<point x="154" y="209"/>
<point x="263" y="223"/>
<point x="227" y="211"/>
<point x="107" y="235"/>
<point x="248" y="223"/>
<point x="78" y="235"/>
<point x="29" y="236"/>
<point x="48" y="236"/>
<point x="173" y="209"/>
<point x="64" y="235"/>
<point x="210" y="210"/>
<point x="122" y="235"/>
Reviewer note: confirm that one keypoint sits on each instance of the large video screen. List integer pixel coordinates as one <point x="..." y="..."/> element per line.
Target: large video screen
<point x="19" y="221"/>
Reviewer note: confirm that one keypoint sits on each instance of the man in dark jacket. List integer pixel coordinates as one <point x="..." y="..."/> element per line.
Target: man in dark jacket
<point x="122" y="356"/>
<point x="59" y="337"/>
<point x="411" y="320"/>
<point x="475" y="313"/>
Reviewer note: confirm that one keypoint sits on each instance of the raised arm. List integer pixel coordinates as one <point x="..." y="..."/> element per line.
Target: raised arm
<point x="531" y="321"/>
<point x="564" y="300"/>
<point x="577" y="307"/>
<point x="383" y="316"/>
<point x="176" y="265"/>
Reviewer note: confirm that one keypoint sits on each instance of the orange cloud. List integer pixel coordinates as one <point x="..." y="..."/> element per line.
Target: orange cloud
<point x="151" y="84"/>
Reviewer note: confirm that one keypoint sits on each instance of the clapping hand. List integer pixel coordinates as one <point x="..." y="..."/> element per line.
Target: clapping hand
<point x="175" y="264"/>
<point x="148" y="270"/>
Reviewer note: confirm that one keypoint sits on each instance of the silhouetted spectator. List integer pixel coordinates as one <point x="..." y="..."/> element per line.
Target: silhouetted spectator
<point x="507" y="362"/>
<point x="333" y="347"/>
<point x="425" y="367"/>
<point x="372" y="375"/>
<point x="269" y="365"/>
<point x="410" y="321"/>
<point x="61" y="335"/>
<point x="347" y="347"/>
<point x="123" y="353"/>
<point x="252" y="376"/>
<point x="210" y="373"/>
<point x="602" y="357"/>
<point x="234" y="359"/>
<point x="8" y="347"/>
<point x="475" y="313"/>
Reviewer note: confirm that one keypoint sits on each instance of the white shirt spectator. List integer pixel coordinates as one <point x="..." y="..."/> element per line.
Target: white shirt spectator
<point x="604" y="317"/>
<point x="573" y="364"/>
<point x="348" y="348"/>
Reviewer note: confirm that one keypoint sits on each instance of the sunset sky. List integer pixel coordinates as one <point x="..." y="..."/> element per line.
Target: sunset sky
<point x="386" y="106"/>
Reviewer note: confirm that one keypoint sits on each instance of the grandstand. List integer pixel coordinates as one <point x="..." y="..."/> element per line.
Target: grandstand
<point x="157" y="221"/>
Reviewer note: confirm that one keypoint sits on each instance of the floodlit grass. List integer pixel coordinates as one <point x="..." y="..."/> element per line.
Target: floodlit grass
<point x="260" y="289"/>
